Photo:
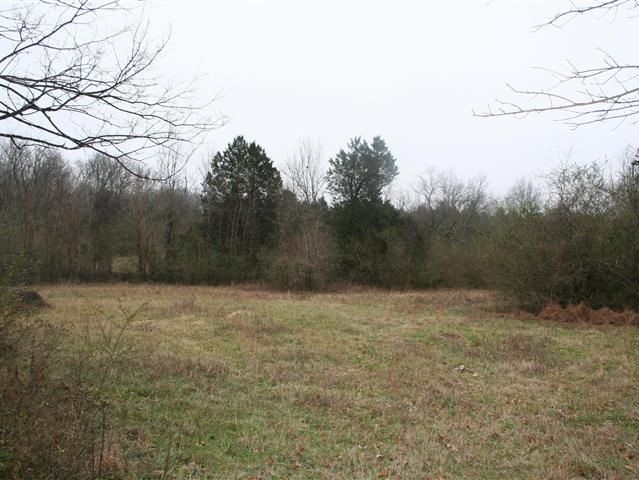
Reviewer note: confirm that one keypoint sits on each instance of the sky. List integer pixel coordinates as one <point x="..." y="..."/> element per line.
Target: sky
<point x="411" y="72"/>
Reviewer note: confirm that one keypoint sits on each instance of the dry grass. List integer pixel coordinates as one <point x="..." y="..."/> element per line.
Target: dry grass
<point x="245" y="383"/>
<point x="582" y="314"/>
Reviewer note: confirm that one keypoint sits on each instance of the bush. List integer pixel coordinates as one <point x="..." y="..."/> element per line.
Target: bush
<point x="580" y="248"/>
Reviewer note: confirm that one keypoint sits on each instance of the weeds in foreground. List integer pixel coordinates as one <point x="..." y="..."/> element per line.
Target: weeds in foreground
<point x="54" y="405"/>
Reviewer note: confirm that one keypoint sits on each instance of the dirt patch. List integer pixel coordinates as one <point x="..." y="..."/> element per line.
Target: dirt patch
<point x="29" y="298"/>
<point x="583" y="314"/>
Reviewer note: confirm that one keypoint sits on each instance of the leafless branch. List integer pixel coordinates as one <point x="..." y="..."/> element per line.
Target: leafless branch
<point x="609" y="92"/>
<point x="304" y="173"/>
<point x="603" y="7"/>
<point x="65" y="84"/>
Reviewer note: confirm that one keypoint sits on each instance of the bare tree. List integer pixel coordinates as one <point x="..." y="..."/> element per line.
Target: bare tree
<point x="141" y="220"/>
<point x="32" y="179"/>
<point x="304" y="173"/>
<point x="67" y="84"/>
<point x="447" y="205"/>
<point x="305" y="246"/>
<point x="585" y="95"/>
<point x="523" y="198"/>
<point x="107" y="185"/>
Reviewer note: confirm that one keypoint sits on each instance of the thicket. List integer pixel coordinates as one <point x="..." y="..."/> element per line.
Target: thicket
<point x="570" y="239"/>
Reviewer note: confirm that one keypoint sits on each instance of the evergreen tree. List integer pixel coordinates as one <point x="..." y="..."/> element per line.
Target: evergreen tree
<point x="361" y="219"/>
<point x="239" y="197"/>
<point x="362" y="172"/>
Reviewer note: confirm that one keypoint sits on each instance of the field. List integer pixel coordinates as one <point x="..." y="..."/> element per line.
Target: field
<point x="238" y="383"/>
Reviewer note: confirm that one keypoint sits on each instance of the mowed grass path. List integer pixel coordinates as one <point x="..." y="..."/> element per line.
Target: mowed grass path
<point x="231" y="383"/>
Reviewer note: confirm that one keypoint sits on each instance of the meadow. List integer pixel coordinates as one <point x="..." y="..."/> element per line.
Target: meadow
<point x="236" y="382"/>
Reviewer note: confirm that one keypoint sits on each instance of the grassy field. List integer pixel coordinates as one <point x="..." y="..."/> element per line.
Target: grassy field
<point x="234" y="383"/>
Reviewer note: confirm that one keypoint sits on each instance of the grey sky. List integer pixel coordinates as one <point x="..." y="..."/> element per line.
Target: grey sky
<point x="411" y="72"/>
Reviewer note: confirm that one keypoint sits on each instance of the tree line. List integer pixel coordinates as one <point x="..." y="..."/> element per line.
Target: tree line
<point x="571" y="239"/>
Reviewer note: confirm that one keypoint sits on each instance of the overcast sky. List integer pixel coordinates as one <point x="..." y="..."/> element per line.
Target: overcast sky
<point x="412" y="72"/>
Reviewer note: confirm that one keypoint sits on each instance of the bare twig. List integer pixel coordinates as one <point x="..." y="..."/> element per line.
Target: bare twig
<point x="65" y="86"/>
<point x="609" y="92"/>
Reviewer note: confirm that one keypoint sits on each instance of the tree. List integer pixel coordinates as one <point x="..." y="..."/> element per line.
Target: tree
<point x="178" y="216"/>
<point x="451" y="222"/>
<point x="586" y="95"/>
<point x="360" y="217"/>
<point x="449" y="208"/>
<point x="304" y="251"/>
<point x="107" y="186"/>
<point x="362" y="172"/>
<point x="240" y="194"/>
<point x="35" y="205"/>
<point x="65" y="83"/>
<point x="304" y="173"/>
<point x="141" y="221"/>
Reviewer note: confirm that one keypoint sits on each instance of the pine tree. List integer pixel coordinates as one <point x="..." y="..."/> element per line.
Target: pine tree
<point x="239" y="197"/>
<point x="362" y="172"/>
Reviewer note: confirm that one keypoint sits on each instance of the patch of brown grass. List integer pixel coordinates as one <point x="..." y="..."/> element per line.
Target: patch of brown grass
<point x="453" y="339"/>
<point x="252" y="325"/>
<point x="164" y="365"/>
<point x="531" y="355"/>
<point x="522" y="346"/>
<point x="185" y="306"/>
<point x="583" y="314"/>
<point x="316" y="398"/>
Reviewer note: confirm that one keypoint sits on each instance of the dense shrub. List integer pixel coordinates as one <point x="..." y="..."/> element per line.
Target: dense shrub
<point x="581" y="246"/>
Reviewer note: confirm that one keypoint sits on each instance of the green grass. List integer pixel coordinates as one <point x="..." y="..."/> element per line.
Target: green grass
<point x="232" y="383"/>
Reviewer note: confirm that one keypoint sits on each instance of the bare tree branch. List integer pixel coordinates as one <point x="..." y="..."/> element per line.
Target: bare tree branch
<point x="304" y="172"/>
<point x="609" y="92"/>
<point x="604" y="7"/>
<point x="65" y="84"/>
